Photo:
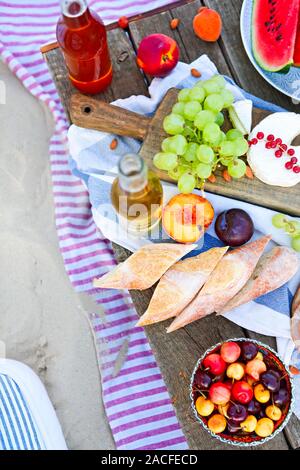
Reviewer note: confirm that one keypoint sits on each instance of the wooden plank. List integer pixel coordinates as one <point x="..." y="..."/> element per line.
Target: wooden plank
<point x="241" y="68"/>
<point x="127" y="79"/>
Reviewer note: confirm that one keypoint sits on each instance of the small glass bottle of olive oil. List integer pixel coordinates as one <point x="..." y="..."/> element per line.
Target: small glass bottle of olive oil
<point x="137" y="195"/>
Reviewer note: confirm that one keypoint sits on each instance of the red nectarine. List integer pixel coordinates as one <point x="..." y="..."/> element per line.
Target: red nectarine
<point x="157" y="55"/>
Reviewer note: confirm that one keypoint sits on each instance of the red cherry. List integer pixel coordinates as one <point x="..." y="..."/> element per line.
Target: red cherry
<point x="294" y="160"/>
<point x="123" y="22"/>
<point x="260" y="135"/>
<point x="296" y="169"/>
<point x="278" y="153"/>
<point x="270" y="137"/>
<point x="242" y="392"/>
<point x="291" y="152"/>
<point x="268" y="145"/>
<point x="278" y="141"/>
<point x="215" y="364"/>
<point x="289" y="165"/>
<point x="284" y="147"/>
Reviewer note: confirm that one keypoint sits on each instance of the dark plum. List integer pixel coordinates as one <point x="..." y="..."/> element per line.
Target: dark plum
<point x="237" y="413"/>
<point x="254" y="407"/>
<point x="270" y="380"/>
<point x="281" y="397"/>
<point x="233" y="427"/>
<point x="202" y="380"/>
<point x="234" y="227"/>
<point x="249" y="350"/>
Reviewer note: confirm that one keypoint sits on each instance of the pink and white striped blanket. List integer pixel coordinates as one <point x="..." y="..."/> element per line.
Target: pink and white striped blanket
<point x="138" y="406"/>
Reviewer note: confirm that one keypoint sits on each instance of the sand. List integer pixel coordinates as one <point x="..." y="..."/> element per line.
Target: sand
<point x="43" y="322"/>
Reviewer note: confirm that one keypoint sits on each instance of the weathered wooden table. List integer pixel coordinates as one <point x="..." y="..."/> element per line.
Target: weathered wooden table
<point x="177" y="353"/>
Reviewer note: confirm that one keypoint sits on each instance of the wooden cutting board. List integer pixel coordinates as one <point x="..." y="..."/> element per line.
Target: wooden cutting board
<point x="90" y="113"/>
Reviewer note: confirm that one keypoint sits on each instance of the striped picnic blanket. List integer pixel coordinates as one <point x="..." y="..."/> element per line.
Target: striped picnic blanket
<point x="138" y="406"/>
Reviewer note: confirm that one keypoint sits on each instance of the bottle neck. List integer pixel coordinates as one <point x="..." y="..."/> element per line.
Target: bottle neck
<point x="133" y="173"/>
<point x="75" y="12"/>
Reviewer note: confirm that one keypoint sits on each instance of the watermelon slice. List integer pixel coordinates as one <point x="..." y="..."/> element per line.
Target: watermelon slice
<point x="297" y="46"/>
<point x="274" y="28"/>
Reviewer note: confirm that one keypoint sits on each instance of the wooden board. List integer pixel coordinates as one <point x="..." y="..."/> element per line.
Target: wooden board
<point x="176" y="354"/>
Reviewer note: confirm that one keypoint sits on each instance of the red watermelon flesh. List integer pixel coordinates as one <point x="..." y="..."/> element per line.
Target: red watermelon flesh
<point x="297" y="46"/>
<point x="274" y="28"/>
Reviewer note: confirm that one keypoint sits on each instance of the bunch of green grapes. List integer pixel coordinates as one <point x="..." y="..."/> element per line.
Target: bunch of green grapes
<point x="291" y="227"/>
<point x="197" y="143"/>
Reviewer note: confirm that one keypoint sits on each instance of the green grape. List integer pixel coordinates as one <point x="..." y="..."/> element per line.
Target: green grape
<point x="184" y="95"/>
<point x="165" y="161"/>
<point x="173" y="124"/>
<point x="174" y="174"/>
<point x="205" y="154"/>
<point x="211" y="133"/>
<point x="197" y="94"/>
<point x="292" y="228"/>
<point x="222" y="137"/>
<point x="214" y="103"/>
<point x="279" y="220"/>
<point x="176" y="144"/>
<point x="226" y="149"/>
<point x="203" y="118"/>
<point x="234" y="134"/>
<point x="220" y="80"/>
<point x="296" y="243"/>
<point x="241" y="147"/>
<point x="186" y="183"/>
<point x="220" y="119"/>
<point x="228" y="97"/>
<point x="237" y="168"/>
<point x="204" y="171"/>
<point x="191" y="109"/>
<point x="178" y="108"/>
<point x="210" y="86"/>
<point x="191" y="152"/>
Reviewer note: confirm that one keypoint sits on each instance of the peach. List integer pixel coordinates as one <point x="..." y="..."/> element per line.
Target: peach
<point x="219" y="394"/>
<point x="235" y="371"/>
<point x="217" y="423"/>
<point x="249" y="424"/>
<point x="264" y="427"/>
<point x="230" y="352"/>
<point x="186" y="217"/>
<point x="261" y="393"/>
<point x="215" y="364"/>
<point x="255" y="367"/>
<point x="273" y="412"/>
<point x="204" y="406"/>
<point x="242" y="392"/>
<point x="157" y="55"/>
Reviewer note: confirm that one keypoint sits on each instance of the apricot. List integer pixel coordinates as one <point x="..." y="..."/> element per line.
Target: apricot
<point x="249" y="424"/>
<point x="255" y="367"/>
<point x="204" y="406"/>
<point x="219" y="393"/>
<point x="186" y="217"/>
<point x="230" y="351"/>
<point x="217" y="423"/>
<point x="264" y="427"/>
<point x="207" y="25"/>
<point x="273" y="412"/>
<point x="235" y="371"/>
<point x="261" y="393"/>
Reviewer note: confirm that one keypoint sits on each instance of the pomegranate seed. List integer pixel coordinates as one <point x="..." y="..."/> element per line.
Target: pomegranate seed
<point x="278" y="153"/>
<point x="296" y="169"/>
<point x="260" y="135"/>
<point x="289" y="165"/>
<point x="268" y="145"/>
<point x="270" y="137"/>
<point x="278" y="141"/>
<point x="284" y="147"/>
<point x="254" y="141"/>
<point x="291" y="152"/>
<point x="294" y="160"/>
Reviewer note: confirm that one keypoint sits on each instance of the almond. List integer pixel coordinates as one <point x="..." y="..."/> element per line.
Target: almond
<point x="195" y="73"/>
<point x="212" y="179"/>
<point x="174" y="23"/>
<point x="249" y="173"/>
<point x="113" y="144"/>
<point x="226" y="176"/>
<point x="294" y="370"/>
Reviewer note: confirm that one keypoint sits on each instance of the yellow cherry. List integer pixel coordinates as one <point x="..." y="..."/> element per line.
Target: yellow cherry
<point x="217" y="423"/>
<point x="264" y="427"/>
<point x="223" y="409"/>
<point x="204" y="406"/>
<point x="249" y="424"/>
<point x="273" y="412"/>
<point x="261" y="393"/>
<point x="259" y="356"/>
<point x="235" y="371"/>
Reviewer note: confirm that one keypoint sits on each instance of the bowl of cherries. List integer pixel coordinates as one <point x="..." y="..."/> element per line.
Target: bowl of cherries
<point x="241" y="392"/>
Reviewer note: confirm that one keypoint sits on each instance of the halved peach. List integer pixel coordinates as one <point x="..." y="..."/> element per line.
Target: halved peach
<point x="186" y="217"/>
